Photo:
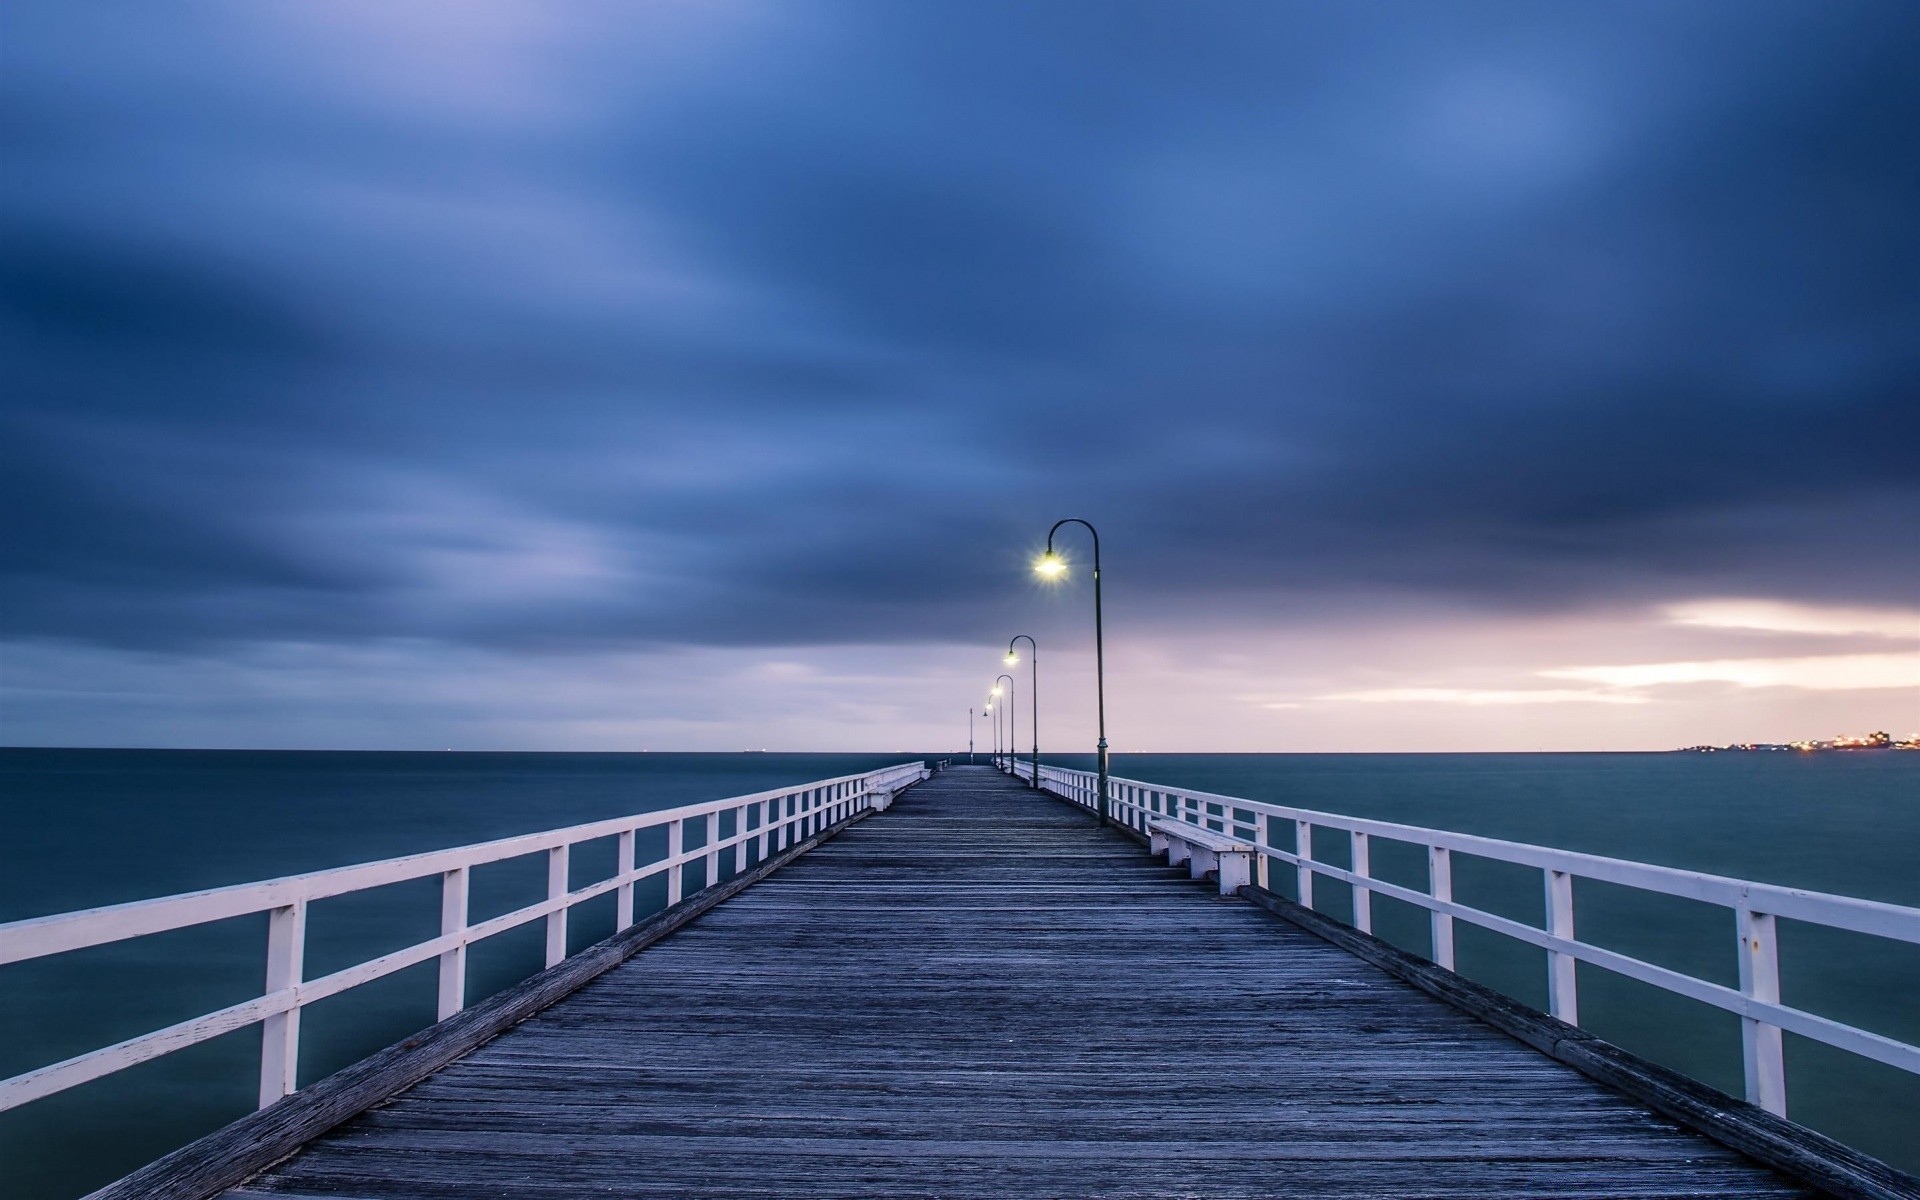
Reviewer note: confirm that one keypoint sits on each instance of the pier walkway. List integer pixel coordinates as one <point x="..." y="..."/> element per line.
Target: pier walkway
<point x="977" y="993"/>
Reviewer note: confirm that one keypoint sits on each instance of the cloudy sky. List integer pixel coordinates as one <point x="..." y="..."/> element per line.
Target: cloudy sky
<point x="703" y="375"/>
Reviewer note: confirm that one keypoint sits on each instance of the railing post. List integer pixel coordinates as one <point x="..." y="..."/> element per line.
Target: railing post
<point x="1363" y="867"/>
<point x="1561" y="1000"/>
<point x="557" y="859"/>
<point x="713" y="848"/>
<point x="623" y="865"/>
<point x="676" y="870"/>
<point x="1262" y="836"/>
<point x="766" y="830"/>
<point x="740" y="839"/>
<point x="1440" y="885"/>
<point x="1303" y="849"/>
<point x="453" y="963"/>
<point x="280" y="1033"/>
<point x="1760" y="1050"/>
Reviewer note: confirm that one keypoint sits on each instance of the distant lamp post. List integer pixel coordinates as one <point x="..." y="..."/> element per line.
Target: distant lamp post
<point x="1050" y="566"/>
<point x="1013" y="727"/>
<point x="969" y="737"/>
<point x="988" y="710"/>
<point x="1033" y="666"/>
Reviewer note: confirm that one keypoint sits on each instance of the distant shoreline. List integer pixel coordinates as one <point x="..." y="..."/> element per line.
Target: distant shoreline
<point x="1846" y="744"/>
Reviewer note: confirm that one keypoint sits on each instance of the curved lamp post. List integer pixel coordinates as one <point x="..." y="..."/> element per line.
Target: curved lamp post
<point x="988" y="709"/>
<point x="1033" y="696"/>
<point x="1052" y="566"/>
<point x="1013" y="727"/>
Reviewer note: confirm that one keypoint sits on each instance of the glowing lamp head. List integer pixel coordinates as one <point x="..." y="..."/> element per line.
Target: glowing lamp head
<point x="997" y="689"/>
<point x="1012" y="658"/>
<point x="988" y="708"/>
<point x="1050" y="566"/>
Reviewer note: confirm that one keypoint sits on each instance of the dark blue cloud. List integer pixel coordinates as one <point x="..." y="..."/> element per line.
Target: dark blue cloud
<point x="798" y="325"/>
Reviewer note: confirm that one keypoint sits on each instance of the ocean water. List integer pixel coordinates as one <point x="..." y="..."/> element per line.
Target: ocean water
<point x="84" y="828"/>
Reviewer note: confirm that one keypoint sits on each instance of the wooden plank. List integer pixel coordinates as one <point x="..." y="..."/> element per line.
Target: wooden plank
<point x="1792" y="1149"/>
<point x="980" y="994"/>
<point x="231" y="1154"/>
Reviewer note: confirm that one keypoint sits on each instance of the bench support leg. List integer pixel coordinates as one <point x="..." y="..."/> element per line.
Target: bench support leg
<point x="1201" y="861"/>
<point x="1236" y="871"/>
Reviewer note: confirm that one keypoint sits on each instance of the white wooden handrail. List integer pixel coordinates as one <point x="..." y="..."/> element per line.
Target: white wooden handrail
<point x="776" y="819"/>
<point x="1755" y="908"/>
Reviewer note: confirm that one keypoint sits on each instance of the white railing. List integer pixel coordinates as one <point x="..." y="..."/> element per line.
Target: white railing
<point x="774" y="819"/>
<point x="1755" y="908"/>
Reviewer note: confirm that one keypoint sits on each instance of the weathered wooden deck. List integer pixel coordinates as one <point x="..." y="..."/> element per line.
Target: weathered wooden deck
<point x="975" y="993"/>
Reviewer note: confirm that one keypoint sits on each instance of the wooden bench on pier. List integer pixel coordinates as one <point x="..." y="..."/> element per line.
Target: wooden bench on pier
<point x="1205" y="851"/>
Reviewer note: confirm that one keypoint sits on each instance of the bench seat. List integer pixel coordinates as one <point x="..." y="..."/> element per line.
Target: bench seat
<point x="1204" y="851"/>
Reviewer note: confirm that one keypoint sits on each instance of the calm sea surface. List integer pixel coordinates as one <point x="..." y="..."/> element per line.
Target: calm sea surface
<point x="84" y="828"/>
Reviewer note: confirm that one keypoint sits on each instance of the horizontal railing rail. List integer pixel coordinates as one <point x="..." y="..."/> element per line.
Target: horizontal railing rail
<point x="1755" y="907"/>
<point x="775" y="819"/>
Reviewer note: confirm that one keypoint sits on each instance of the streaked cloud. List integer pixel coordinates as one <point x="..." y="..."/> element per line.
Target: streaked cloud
<point x="1833" y="672"/>
<point x="1476" y="697"/>
<point x="1778" y="616"/>
<point x="436" y="337"/>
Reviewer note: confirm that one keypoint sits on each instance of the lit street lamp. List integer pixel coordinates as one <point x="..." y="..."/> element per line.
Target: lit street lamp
<point x="1033" y="696"/>
<point x="1012" y="713"/>
<point x="1051" y="566"/>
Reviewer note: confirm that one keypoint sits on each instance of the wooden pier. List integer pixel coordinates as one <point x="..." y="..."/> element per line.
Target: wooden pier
<point x="980" y="993"/>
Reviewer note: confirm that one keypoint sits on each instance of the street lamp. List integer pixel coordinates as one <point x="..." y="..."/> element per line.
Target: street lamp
<point x="1033" y="695"/>
<point x="1013" y="713"/>
<point x="988" y="708"/>
<point x="1051" y="566"/>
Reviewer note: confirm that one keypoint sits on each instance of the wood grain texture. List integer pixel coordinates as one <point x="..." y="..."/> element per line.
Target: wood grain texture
<point x="978" y="993"/>
<point x="230" y="1154"/>
<point x="1794" y="1149"/>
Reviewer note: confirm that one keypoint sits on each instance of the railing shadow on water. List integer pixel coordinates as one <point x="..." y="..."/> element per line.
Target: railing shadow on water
<point x="355" y="958"/>
<point x="1698" y="972"/>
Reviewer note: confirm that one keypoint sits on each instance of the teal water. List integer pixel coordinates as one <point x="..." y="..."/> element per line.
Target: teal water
<point x="83" y="828"/>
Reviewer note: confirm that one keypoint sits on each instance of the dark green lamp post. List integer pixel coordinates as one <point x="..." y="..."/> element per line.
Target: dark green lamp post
<point x="1034" y="696"/>
<point x="1051" y="566"/>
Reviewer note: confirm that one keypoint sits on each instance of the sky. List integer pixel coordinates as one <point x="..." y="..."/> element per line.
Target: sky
<point x="705" y="376"/>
